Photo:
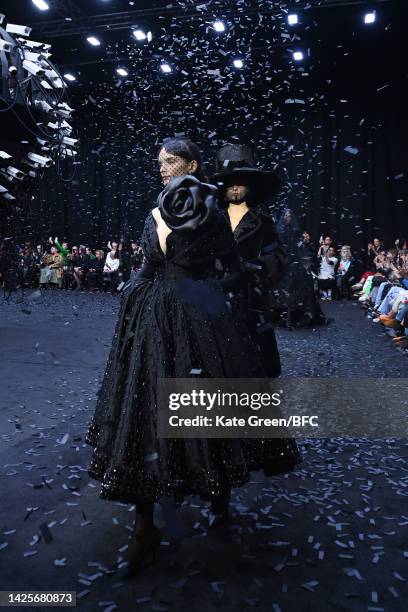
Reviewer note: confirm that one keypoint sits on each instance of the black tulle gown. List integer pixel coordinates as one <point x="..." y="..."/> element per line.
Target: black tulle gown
<point x="173" y="321"/>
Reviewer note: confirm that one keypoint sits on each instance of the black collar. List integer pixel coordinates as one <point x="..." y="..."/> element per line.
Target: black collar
<point x="248" y="225"/>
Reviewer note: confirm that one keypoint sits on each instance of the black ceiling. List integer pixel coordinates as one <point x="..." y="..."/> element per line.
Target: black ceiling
<point x="341" y="48"/>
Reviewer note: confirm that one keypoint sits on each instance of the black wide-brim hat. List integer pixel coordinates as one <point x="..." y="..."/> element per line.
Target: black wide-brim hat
<point x="235" y="162"/>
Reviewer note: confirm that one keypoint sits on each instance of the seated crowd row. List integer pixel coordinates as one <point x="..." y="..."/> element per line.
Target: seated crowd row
<point x="339" y="272"/>
<point x="59" y="266"/>
<point x="335" y="271"/>
<point x="383" y="292"/>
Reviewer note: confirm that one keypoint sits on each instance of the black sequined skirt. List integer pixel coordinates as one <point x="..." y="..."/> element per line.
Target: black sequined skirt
<point x="158" y="335"/>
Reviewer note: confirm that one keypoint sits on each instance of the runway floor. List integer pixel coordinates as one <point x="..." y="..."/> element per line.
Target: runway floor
<point x="333" y="535"/>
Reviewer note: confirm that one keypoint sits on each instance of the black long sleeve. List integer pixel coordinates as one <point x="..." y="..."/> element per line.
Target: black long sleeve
<point x="235" y="278"/>
<point x="273" y="252"/>
<point x="146" y="273"/>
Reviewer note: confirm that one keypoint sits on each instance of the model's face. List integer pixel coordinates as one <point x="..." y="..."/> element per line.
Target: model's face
<point x="172" y="165"/>
<point x="236" y="194"/>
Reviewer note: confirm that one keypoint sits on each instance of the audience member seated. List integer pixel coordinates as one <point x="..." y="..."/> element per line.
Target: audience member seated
<point x="111" y="267"/>
<point x="37" y="256"/>
<point x="63" y="249"/>
<point x="94" y="275"/>
<point x="80" y="264"/>
<point x="51" y="270"/>
<point x="69" y="281"/>
<point x="401" y="337"/>
<point x="345" y="273"/>
<point x="28" y="274"/>
<point x="374" y="248"/>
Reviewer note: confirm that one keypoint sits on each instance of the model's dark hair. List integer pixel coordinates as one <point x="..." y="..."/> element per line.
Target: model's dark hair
<point x="188" y="150"/>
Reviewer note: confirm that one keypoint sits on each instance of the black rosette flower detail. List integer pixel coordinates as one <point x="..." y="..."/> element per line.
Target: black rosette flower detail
<point x="186" y="204"/>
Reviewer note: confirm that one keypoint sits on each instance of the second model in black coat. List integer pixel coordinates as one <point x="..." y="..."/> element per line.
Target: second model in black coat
<point x="265" y="260"/>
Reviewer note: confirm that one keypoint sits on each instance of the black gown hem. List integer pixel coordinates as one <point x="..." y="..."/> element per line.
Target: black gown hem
<point x="128" y="485"/>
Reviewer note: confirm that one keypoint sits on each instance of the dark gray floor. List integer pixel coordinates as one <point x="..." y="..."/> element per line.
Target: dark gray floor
<point x="333" y="535"/>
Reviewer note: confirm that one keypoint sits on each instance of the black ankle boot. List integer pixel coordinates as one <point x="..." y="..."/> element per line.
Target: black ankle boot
<point x="142" y="548"/>
<point x="219" y="511"/>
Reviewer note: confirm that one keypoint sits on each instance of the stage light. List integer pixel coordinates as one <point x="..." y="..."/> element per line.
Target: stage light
<point x="165" y="68"/>
<point x="149" y="37"/>
<point x="293" y="19"/>
<point x="369" y="17"/>
<point x="219" y="26"/>
<point x="33" y="68"/>
<point x="238" y="63"/>
<point x="40" y="4"/>
<point x="298" y="56"/>
<point x="139" y="34"/>
<point x="122" y="72"/>
<point x="93" y="41"/>
<point x="13" y="28"/>
<point x="69" y="77"/>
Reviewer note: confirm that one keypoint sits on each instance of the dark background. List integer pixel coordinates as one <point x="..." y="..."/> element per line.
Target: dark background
<point x="351" y="89"/>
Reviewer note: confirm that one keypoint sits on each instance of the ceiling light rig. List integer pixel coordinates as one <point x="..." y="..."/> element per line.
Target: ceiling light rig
<point x="33" y="93"/>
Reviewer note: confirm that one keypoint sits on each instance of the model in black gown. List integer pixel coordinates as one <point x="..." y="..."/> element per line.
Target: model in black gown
<point x="176" y="319"/>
